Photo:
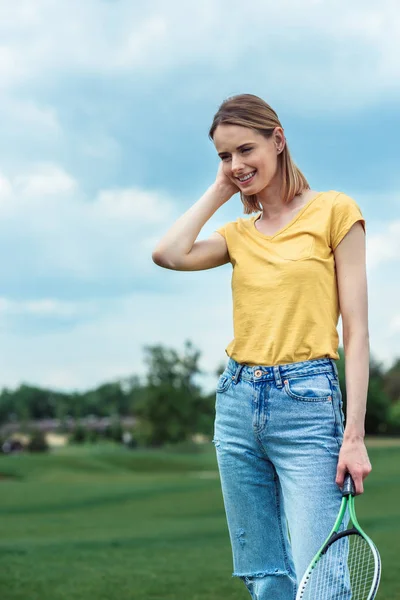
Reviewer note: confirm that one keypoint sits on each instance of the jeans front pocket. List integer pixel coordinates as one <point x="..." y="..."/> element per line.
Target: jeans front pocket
<point x="338" y="406"/>
<point x="224" y="382"/>
<point x="309" y="388"/>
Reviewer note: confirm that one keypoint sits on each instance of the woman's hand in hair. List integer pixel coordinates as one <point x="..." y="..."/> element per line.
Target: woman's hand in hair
<point x="224" y="184"/>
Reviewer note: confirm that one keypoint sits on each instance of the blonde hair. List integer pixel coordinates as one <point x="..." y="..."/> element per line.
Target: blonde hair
<point x="251" y="111"/>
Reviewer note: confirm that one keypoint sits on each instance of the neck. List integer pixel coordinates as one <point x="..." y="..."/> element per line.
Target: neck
<point x="273" y="204"/>
<point x="271" y="199"/>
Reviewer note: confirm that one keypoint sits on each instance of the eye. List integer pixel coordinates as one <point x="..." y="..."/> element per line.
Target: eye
<point x="246" y="149"/>
<point x="224" y="158"/>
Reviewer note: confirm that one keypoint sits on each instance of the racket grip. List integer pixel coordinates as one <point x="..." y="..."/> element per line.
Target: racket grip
<point x="348" y="486"/>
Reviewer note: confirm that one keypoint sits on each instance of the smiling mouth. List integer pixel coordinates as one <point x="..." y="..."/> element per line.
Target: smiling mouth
<point x="247" y="177"/>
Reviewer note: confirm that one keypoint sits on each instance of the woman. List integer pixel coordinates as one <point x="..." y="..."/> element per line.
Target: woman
<point x="279" y="435"/>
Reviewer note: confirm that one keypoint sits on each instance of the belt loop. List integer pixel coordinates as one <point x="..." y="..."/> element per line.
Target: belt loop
<point x="334" y="367"/>
<point x="237" y="374"/>
<point x="277" y="376"/>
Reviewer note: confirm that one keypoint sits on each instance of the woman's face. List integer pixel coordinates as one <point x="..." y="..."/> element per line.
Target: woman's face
<point x="246" y="153"/>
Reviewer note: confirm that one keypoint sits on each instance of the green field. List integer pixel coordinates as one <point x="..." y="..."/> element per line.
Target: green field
<point x="105" y="523"/>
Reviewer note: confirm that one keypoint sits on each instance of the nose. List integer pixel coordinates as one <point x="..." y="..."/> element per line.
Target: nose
<point x="236" y="165"/>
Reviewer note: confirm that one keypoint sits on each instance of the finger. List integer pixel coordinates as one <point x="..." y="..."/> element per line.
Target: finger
<point x="359" y="478"/>
<point x="358" y="482"/>
<point x="340" y="474"/>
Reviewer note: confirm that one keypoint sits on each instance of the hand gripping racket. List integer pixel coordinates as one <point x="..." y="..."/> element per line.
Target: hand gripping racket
<point x="348" y="565"/>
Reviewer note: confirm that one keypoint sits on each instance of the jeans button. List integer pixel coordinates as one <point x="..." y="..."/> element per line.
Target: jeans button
<point x="258" y="373"/>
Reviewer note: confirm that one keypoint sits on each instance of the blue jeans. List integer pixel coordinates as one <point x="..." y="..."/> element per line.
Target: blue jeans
<point x="277" y="434"/>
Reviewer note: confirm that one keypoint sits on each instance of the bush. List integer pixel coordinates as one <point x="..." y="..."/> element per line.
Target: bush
<point x="378" y="407"/>
<point x="78" y="436"/>
<point x="128" y="439"/>
<point x="92" y="436"/>
<point x="114" y="431"/>
<point x="38" y="442"/>
<point x="394" y="419"/>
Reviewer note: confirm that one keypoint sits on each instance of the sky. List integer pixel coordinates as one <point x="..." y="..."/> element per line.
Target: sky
<point x="105" y="109"/>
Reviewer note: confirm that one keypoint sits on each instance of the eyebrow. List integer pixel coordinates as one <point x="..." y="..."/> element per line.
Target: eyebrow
<point x="238" y="148"/>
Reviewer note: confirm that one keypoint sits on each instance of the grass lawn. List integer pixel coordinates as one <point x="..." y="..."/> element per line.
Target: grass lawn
<point x="105" y="523"/>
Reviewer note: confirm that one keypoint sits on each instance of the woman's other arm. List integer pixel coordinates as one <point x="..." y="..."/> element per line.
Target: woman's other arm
<point x="352" y="288"/>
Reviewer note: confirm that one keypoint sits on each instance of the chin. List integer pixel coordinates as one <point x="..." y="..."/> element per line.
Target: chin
<point x="252" y="191"/>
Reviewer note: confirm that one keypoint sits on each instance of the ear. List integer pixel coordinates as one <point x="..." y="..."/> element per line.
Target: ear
<point x="280" y="139"/>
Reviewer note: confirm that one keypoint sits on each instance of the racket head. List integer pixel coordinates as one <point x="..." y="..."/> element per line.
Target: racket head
<point x="348" y="567"/>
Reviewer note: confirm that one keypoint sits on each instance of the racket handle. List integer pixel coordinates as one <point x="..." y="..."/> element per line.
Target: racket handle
<point x="348" y="486"/>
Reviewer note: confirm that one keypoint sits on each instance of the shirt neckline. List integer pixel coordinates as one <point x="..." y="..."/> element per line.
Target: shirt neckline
<point x="291" y="222"/>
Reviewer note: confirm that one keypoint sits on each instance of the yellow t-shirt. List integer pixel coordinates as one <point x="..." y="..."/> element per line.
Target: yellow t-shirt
<point x="284" y="289"/>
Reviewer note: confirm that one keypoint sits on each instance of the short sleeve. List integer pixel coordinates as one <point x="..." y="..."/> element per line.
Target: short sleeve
<point x="222" y="231"/>
<point x="226" y="232"/>
<point x="345" y="213"/>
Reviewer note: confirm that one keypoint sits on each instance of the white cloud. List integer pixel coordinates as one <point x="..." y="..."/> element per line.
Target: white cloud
<point x="43" y="307"/>
<point x="395" y="325"/>
<point x="46" y="179"/>
<point x="345" y="53"/>
<point x="384" y="246"/>
<point x="143" y="43"/>
<point x="137" y="205"/>
<point x="5" y="188"/>
<point x="52" y="230"/>
<point x="111" y="345"/>
<point x="56" y="378"/>
<point x="25" y="113"/>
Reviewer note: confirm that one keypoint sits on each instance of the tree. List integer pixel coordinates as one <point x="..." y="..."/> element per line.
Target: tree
<point x="392" y="382"/>
<point x="166" y="366"/>
<point x="171" y="407"/>
<point x="394" y="419"/>
<point x="378" y="402"/>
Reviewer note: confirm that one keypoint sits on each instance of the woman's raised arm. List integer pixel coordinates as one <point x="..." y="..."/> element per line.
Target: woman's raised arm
<point x="178" y="249"/>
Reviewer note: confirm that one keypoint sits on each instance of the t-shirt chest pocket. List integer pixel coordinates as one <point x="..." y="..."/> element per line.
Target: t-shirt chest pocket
<point x="297" y="247"/>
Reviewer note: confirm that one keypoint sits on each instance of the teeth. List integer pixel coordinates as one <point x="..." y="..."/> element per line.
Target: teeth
<point x="246" y="176"/>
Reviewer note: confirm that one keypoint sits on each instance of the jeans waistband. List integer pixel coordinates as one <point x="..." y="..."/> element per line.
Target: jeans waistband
<point x="279" y="372"/>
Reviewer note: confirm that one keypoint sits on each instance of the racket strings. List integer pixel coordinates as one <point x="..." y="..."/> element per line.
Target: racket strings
<point x="345" y="572"/>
